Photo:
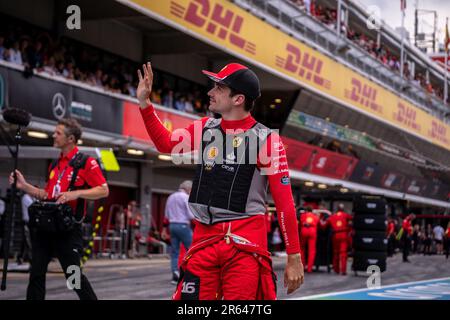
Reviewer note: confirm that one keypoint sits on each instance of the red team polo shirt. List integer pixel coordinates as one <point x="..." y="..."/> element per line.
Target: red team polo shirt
<point x="339" y="222"/>
<point x="390" y="228"/>
<point x="407" y="226"/>
<point x="90" y="175"/>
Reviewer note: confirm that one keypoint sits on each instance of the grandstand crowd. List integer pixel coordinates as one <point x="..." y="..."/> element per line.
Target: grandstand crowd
<point x="328" y="16"/>
<point x="39" y="50"/>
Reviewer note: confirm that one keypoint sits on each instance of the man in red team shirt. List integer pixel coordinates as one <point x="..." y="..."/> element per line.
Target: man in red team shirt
<point x="228" y="257"/>
<point x="340" y="223"/>
<point x="390" y="234"/>
<point x="89" y="184"/>
<point x="407" y="233"/>
<point x="308" y="236"/>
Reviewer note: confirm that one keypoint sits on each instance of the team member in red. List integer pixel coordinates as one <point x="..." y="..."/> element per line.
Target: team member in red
<point x="390" y="234"/>
<point x="308" y="235"/>
<point x="228" y="257"/>
<point x="89" y="184"/>
<point x="339" y="223"/>
<point x="406" y="236"/>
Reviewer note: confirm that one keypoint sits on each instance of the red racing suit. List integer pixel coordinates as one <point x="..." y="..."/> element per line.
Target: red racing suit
<point x="339" y="223"/>
<point x="308" y="236"/>
<point x="229" y="259"/>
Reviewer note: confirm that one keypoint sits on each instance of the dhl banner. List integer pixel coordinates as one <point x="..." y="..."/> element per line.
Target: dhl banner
<point x="232" y="28"/>
<point x="305" y="157"/>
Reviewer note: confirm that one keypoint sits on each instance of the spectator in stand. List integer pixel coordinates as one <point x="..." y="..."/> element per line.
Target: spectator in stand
<point x="319" y="13"/>
<point x="36" y="56"/>
<point x="438" y="235"/>
<point x="198" y="106"/>
<point x="60" y="54"/>
<point x="343" y="28"/>
<point x="188" y="105"/>
<point x="90" y="79"/>
<point x="125" y="72"/>
<point x="362" y="41"/>
<point x="417" y="78"/>
<point x="429" y="87"/>
<point x="60" y="69"/>
<point x="391" y="62"/>
<point x="396" y="64"/>
<point x="98" y="79"/>
<point x="69" y="72"/>
<point x="316" y="141"/>
<point x="168" y="99"/>
<point x="334" y="146"/>
<point x="128" y="89"/>
<point x="439" y="92"/>
<point x="330" y="17"/>
<point x="307" y="6"/>
<point x="156" y="96"/>
<point x="406" y="72"/>
<point x="313" y="7"/>
<point x="79" y="75"/>
<point x="113" y="85"/>
<point x="15" y="54"/>
<point x="49" y="66"/>
<point x="371" y="48"/>
<point x="6" y="55"/>
<point x="351" y="34"/>
<point x="2" y="46"/>
<point x="352" y="152"/>
<point x="384" y="57"/>
<point x="180" y="103"/>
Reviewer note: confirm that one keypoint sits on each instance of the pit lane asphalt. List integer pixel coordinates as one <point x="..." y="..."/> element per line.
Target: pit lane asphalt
<point x="149" y="278"/>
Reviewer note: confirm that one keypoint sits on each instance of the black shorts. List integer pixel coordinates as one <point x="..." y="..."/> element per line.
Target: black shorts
<point x="438" y="241"/>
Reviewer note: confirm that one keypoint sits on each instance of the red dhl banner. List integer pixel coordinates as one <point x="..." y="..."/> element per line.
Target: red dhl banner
<point x="229" y="27"/>
<point x="133" y="124"/>
<point x="307" y="158"/>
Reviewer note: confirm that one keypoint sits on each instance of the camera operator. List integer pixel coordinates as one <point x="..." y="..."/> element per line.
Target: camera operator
<point x="72" y="179"/>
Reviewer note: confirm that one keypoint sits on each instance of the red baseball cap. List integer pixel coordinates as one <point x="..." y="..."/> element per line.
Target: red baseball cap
<point x="238" y="77"/>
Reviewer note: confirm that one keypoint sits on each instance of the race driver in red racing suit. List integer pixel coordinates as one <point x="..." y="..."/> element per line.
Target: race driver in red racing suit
<point x="228" y="258"/>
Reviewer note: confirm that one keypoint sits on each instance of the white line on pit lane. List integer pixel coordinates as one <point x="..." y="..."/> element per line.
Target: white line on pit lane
<point x="368" y="290"/>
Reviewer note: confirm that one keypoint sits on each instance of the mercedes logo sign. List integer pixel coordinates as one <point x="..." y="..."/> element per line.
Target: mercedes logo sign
<point x="59" y="106"/>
